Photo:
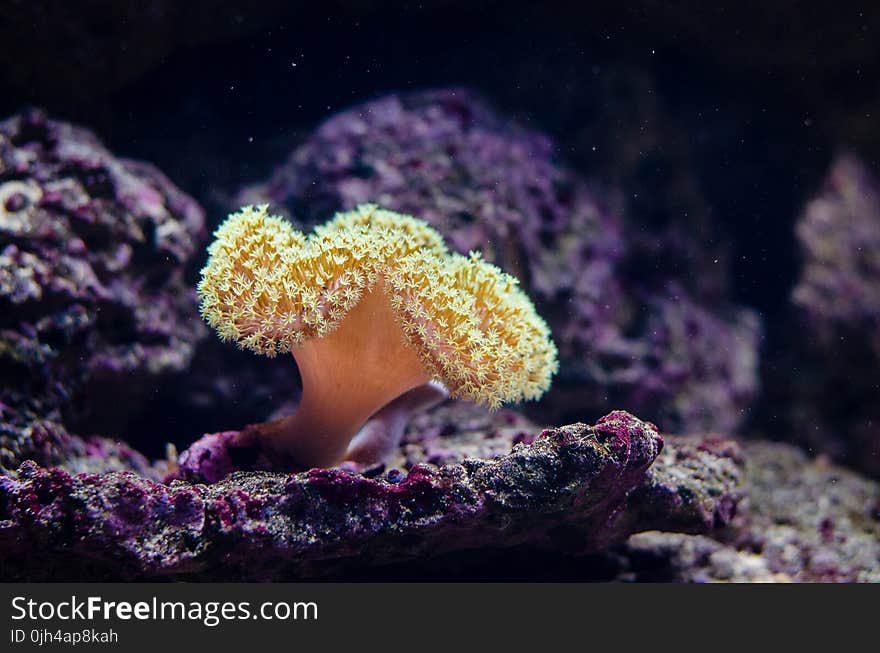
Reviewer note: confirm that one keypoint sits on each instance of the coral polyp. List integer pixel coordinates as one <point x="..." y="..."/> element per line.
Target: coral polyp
<point x="371" y="305"/>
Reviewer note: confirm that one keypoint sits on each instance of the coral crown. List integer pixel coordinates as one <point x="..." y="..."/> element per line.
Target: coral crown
<point x="270" y="288"/>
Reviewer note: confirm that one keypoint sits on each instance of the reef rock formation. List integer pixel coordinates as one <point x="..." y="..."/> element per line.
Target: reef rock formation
<point x="575" y="489"/>
<point x="827" y="373"/>
<point x="490" y="184"/>
<point x="94" y="310"/>
<point x="839" y="232"/>
<point x="800" y="520"/>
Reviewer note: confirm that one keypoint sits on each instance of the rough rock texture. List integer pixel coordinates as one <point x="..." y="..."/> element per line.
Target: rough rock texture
<point x="567" y="491"/>
<point x="94" y="311"/>
<point x="696" y="480"/>
<point x="31" y="437"/>
<point x="457" y="430"/>
<point x="688" y="366"/>
<point x="676" y="557"/>
<point x="826" y="375"/>
<point x="800" y="520"/>
<point x="488" y="183"/>
<point x="839" y="232"/>
<point x="450" y="433"/>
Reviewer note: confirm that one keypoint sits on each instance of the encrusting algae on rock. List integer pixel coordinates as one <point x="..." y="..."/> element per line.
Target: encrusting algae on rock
<point x="371" y="305"/>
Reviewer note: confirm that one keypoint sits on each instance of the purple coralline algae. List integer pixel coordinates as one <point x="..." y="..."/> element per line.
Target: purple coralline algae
<point x="27" y="435"/>
<point x="839" y="232"/>
<point x="94" y="308"/>
<point x="575" y="489"/>
<point x="833" y="356"/>
<point x="688" y="366"/>
<point x="490" y="184"/>
<point x="800" y="520"/>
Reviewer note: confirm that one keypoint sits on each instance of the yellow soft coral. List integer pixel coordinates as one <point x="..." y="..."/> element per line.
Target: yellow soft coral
<point x="371" y="305"/>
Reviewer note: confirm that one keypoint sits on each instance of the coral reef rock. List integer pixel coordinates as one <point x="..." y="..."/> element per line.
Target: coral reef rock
<point x="800" y="520"/>
<point x="839" y="233"/>
<point x="827" y="372"/>
<point x="575" y="489"/>
<point x="94" y="309"/>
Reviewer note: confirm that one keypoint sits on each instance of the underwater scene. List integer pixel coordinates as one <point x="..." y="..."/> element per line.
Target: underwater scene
<point x="440" y="291"/>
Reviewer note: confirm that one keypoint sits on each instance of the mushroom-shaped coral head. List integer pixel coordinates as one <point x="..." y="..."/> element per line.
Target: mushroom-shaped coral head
<point x="371" y="305"/>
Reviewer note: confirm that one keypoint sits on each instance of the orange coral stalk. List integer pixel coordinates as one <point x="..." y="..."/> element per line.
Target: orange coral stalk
<point x="346" y="376"/>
